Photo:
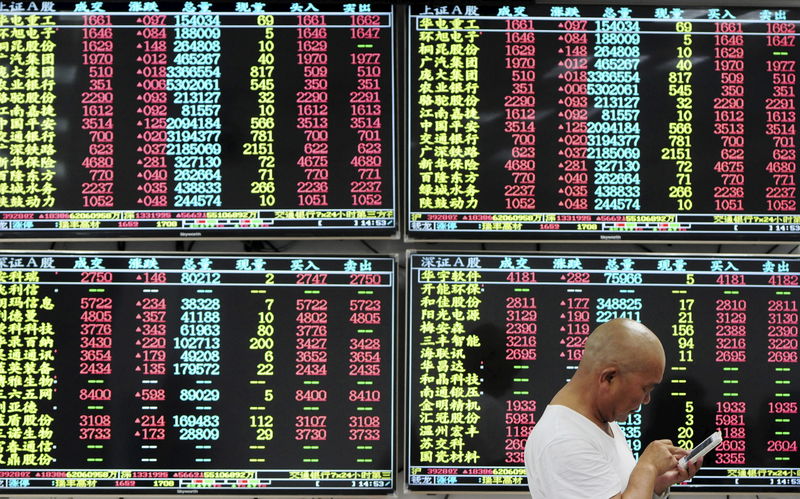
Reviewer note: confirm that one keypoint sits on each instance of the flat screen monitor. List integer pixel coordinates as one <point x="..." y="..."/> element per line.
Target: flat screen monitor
<point x="492" y="337"/>
<point x="191" y="373"/>
<point x="602" y="122"/>
<point x="178" y="119"/>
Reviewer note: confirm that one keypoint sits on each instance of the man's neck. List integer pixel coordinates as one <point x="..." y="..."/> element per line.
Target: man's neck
<point x="573" y="397"/>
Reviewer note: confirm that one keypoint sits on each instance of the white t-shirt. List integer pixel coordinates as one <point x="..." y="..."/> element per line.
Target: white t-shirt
<point x="567" y="456"/>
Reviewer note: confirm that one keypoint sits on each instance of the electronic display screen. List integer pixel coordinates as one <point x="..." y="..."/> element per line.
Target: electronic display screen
<point x="602" y="122"/>
<point x="493" y="337"/>
<point x="196" y="374"/>
<point x="196" y="119"/>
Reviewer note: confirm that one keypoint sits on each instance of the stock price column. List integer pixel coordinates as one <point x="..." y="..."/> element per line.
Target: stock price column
<point x="732" y="349"/>
<point x="165" y="373"/>
<point x="493" y="337"/>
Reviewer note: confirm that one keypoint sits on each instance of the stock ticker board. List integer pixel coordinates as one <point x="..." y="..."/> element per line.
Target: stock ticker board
<point x="196" y="119"/>
<point x="187" y="373"/>
<point x="602" y="122"/>
<point x="493" y="337"/>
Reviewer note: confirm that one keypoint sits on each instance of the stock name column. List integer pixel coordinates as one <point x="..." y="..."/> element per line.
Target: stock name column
<point x="447" y="105"/>
<point x="28" y="118"/>
<point x="445" y="387"/>
<point x="29" y="347"/>
<point x="471" y="366"/>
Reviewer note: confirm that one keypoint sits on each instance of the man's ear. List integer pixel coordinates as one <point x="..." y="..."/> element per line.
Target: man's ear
<point x="608" y="374"/>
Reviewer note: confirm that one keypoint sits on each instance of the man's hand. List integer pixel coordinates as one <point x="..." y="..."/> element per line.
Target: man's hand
<point x="658" y="458"/>
<point x="677" y="474"/>
<point x="662" y="456"/>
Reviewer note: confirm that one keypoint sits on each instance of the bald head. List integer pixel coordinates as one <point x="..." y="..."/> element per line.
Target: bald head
<point x="622" y="343"/>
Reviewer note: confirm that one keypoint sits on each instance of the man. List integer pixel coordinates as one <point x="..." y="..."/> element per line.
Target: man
<point x="577" y="450"/>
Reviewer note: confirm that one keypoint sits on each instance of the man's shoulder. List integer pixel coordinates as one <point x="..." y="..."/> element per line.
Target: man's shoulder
<point x="561" y="418"/>
<point x="562" y="427"/>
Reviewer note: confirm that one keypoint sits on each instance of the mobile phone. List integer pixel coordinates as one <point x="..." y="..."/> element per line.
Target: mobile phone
<point x="702" y="449"/>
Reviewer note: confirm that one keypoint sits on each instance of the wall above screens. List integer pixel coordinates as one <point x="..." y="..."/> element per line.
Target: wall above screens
<point x="593" y="122"/>
<point x="197" y="373"/>
<point x="492" y="337"/>
<point x="217" y="119"/>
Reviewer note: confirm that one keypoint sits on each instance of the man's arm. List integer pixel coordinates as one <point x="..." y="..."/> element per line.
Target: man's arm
<point x="573" y="468"/>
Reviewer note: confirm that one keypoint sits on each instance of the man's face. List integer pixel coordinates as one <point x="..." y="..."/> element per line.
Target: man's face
<point x="633" y="390"/>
